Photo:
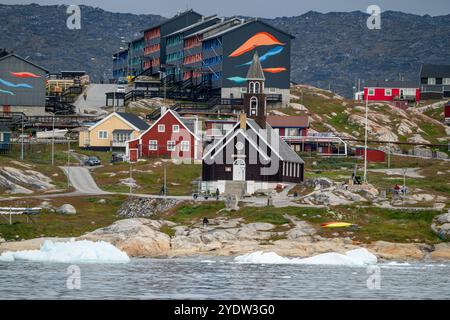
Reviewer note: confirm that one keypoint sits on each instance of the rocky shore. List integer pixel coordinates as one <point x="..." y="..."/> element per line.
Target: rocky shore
<point x="142" y="237"/>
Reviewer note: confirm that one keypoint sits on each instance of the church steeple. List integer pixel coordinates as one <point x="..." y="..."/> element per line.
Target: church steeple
<point x="256" y="71"/>
<point x="255" y="99"/>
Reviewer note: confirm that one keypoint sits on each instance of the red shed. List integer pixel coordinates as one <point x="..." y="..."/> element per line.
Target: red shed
<point x="392" y="91"/>
<point x="447" y="113"/>
<point x="373" y="155"/>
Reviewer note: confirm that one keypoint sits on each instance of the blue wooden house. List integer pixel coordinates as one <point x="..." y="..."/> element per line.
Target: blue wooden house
<point x="5" y="138"/>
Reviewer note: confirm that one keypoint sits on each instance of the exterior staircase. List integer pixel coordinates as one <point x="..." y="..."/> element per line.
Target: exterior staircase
<point x="236" y="188"/>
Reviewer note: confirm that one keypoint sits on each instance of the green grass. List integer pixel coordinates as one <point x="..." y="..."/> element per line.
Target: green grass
<point x="168" y="230"/>
<point x="149" y="177"/>
<point x="90" y="215"/>
<point x="193" y="213"/>
<point x="436" y="114"/>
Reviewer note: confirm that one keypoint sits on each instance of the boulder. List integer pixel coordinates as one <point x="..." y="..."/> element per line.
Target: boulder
<point x="441" y="252"/>
<point x="66" y="209"/>
<point x="396" y="251"/>
<point x="137" y="237"/>
<point x="441" y="226"/>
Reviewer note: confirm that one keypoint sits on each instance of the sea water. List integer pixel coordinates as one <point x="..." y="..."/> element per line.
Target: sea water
<point x="221" y="278"/>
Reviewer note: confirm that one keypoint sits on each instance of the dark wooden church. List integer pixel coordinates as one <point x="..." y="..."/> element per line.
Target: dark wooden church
<point x="252" y="150"/>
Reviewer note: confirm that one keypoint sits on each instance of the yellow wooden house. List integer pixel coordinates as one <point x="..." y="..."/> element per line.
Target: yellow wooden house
<point x="112" y="132"/>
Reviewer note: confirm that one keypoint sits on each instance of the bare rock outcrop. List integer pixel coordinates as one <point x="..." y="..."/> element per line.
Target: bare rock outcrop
<point x="17" y="181"/>
<point x="397" y="251"/>
<point x="136" y="237"/>
<point x="441" y="252"/>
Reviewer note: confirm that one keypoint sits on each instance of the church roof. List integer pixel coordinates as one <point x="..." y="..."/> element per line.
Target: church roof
<point x="256" y="71"/>
<point x="268" y="139"/>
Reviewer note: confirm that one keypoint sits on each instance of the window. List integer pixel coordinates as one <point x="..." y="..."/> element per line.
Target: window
<point x="388" y="92"/>
<point x="170" y="145"/>
<point x="185" y="146"/>
<point x="161" y="128"/>
<point x="175" y="128"/>
<point x="153" y="145"/>
<point x="251" y="88"/>
<point x="243" y="90"/>
<point x="103" y="134"/>
<point x="257" y="87"/>
<point x="431" y="81"/>
<point x="254" y="106"/>
<point x="446" y="81"/>
<point x="371" y="92"/>
<point x="121" y="137"/>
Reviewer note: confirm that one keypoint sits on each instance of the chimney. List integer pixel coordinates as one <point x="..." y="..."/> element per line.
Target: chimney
<point x="243" y="120"/>
<point x="163" y="109"/>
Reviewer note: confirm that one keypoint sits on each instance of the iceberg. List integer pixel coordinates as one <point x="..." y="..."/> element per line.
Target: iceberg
<point x="353" y="258"/>
<point x="70" y="252"/>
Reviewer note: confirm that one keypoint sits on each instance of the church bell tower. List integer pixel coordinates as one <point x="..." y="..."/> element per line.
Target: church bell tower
<point x="254" y="98"/>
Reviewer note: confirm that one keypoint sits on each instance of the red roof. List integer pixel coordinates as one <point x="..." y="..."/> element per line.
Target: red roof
<point x="288" y="121"/>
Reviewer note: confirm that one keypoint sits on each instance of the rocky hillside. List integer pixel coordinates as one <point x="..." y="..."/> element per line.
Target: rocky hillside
<point x="329" y="50"/>
<point x="330" y="112"/>
<point x="40" y="33"/>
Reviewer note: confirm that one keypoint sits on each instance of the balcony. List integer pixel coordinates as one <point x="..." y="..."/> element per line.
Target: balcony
<point x="118" y="144"/>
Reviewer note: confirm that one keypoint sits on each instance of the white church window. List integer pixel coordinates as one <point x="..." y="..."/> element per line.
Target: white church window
<point x="253" y="106"/>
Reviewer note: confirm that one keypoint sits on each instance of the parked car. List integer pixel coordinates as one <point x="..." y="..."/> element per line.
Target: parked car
<point x="118" y="157"/>
<point x="120" y="89"/>
<point x="92" y="161"/>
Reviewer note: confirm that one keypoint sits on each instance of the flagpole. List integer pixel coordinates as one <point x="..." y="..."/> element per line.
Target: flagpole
<point x="365" y="138"/>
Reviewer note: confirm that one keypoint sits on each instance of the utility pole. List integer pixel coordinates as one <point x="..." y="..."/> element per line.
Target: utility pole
<point x="53" y="141"/>
<point x="165" y="179"/>
<point x="365" y="139"/>
<point x="21" y="148"/>
<point x="131" y="178"/>
<point x="389" y="156"/>
<point x="404" y="184"/>
<point x="68" y="164"/>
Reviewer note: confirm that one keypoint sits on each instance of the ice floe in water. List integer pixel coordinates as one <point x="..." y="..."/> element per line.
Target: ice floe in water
<point x="353" y="258"/>
<point x="70" y="252"/>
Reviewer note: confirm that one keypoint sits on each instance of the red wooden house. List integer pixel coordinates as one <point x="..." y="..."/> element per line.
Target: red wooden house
<point x="169" y="137"/>
<point x="392" y="91"/>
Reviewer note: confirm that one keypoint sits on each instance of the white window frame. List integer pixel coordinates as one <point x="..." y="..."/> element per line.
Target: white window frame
<point x="254" y="109"/>
<point x="371" y="90"/>
<point x="243" y="90"/>
<point x="153" y="145"/>
<point x="257" y="87"/>
<point x="251" y="87"/>
<point x="161" y="128"/>
<point x="100" y="135"/>
<point x="431" y="81"/>
<point x="446" y="81"/>
<point x="171" y="144"/>
<point x="388" y="92"/>
<point x="185" y="146"/>
<point x="175" y="128"/>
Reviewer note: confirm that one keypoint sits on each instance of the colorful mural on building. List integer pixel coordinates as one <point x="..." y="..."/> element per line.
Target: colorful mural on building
<point x="258" y="40"/>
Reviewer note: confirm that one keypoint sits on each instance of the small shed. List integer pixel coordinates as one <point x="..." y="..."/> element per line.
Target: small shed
<point x="447" y="113"/>
<point x="5" y="138"/>
<point x="373" y="155"/>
